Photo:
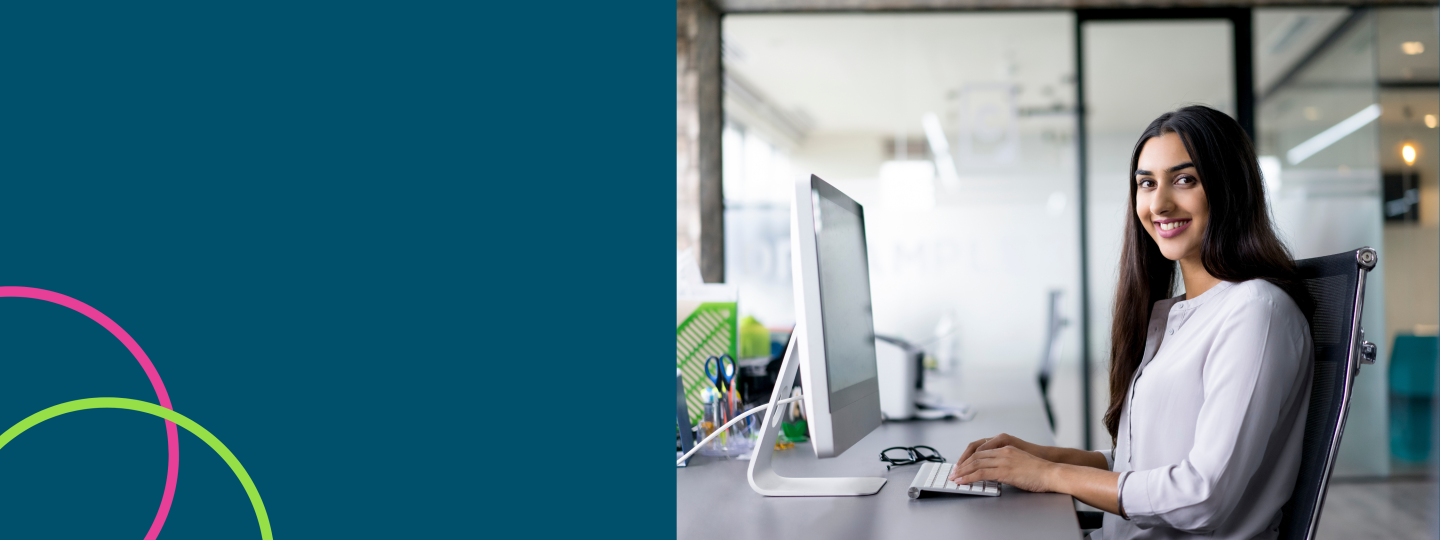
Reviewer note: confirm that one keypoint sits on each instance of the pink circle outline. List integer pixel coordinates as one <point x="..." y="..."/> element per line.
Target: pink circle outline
<point x="171" y="435"/>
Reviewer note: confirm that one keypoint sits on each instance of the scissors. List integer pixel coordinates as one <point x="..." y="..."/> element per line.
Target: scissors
<point x="722" y="374"/>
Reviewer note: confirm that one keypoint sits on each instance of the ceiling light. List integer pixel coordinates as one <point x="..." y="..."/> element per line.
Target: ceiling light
<point x="1330" y="136"/>
<point x="1412" y="47"/>
<point x="1431" y="121"/>
<point x="1408" y="153"/>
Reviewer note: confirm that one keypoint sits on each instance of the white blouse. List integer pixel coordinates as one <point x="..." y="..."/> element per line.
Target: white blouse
<point x="1210" y="437"/>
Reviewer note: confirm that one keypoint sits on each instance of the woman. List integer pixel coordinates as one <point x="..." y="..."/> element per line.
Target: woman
<point x="1208" y="393"/>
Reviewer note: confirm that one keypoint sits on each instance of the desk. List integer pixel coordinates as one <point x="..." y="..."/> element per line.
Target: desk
<point x="712" y="489"/>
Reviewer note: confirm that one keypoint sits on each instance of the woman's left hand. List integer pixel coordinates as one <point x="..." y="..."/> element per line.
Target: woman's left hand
<point x="1010" y="465"/>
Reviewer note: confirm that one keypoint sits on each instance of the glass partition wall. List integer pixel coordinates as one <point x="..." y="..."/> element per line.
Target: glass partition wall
<point x="1318" y="141"/>
<point x="1132" y="76"/>
<point x="1406" y="66"/>
<point x="1344" y="92"/>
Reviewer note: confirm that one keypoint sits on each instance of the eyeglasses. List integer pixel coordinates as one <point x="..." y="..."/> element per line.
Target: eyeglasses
<point x="896" y="456"/>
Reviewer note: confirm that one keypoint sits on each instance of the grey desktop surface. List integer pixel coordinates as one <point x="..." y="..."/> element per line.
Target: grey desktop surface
<point x="714" y="499"/>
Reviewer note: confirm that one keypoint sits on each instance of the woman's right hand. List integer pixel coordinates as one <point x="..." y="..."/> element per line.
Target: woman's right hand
<point x="1000" y="441"/>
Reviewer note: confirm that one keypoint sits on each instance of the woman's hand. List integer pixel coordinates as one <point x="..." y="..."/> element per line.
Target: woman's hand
<point x="1008" y="464"/>
<point x="1000" y="441"/>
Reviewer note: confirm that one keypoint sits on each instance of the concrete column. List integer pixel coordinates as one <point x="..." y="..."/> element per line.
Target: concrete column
<point x="699" y="200"/>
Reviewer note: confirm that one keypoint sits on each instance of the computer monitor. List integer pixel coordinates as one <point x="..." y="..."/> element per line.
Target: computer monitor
<point x="833" y="344"/>
<point x="836" y="349"/>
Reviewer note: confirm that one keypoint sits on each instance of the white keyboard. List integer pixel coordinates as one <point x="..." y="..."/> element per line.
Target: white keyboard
<point x="936" y="477"/>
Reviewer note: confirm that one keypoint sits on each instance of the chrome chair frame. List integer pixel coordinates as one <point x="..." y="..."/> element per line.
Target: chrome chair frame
<point x="1301" y="515"/>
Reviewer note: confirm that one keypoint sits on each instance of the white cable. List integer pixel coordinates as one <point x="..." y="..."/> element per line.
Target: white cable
<point x="727" y="425"/>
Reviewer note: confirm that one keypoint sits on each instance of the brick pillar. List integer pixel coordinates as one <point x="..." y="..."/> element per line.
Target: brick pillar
<point x="699" y="200"/>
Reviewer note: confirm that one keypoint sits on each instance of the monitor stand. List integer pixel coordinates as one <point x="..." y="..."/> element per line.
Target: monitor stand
<point x="763" y="478"/>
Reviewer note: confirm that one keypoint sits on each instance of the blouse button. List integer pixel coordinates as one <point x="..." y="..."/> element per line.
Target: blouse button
<point x="1170" y="331"/>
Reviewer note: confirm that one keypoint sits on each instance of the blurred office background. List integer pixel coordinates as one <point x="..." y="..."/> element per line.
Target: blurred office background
<point x="957" y="128"/>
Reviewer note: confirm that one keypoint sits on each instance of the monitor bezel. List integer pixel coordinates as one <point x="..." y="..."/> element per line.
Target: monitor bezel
<point x="854" y="416"/>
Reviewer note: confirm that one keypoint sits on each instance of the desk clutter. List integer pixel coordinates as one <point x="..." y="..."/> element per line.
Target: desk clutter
<point x="722" y="404"/>
<point x="724" y="366"/>
<point x="706" y="344"/>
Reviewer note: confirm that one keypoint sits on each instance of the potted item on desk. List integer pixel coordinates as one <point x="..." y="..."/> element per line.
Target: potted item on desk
<point x="793" y="427"/>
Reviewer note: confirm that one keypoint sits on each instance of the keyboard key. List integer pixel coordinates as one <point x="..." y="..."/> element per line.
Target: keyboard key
<point x="927" y="471"/>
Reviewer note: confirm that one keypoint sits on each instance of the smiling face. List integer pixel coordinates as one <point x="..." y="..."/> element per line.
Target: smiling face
<point x="1169" y="200"/>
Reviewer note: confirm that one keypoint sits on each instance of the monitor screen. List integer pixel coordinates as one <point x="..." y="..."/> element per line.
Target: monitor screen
<point x="845" y="310"/>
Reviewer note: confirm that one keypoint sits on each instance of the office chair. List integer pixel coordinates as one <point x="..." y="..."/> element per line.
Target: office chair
<point x="1337" y="286"/>
<point x="1051" y="355"/>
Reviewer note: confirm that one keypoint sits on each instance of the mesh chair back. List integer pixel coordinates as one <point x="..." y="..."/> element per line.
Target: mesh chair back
<point x="1337" y="286"/>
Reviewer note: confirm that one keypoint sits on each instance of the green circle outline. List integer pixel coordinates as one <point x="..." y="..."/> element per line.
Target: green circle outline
<point x="154" y="410"/>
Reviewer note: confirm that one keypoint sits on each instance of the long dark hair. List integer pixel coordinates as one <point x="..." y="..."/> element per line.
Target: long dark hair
<point x="1239" y="243"/>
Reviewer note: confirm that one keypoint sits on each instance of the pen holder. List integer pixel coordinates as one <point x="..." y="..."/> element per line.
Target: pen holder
<point x="735" y="442"/>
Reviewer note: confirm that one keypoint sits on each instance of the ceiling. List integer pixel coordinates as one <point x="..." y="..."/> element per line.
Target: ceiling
<point x="1398" y="26"/>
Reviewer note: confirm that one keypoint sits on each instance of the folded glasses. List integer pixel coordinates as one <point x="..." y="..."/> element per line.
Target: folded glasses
<point x="896" y="456"/>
